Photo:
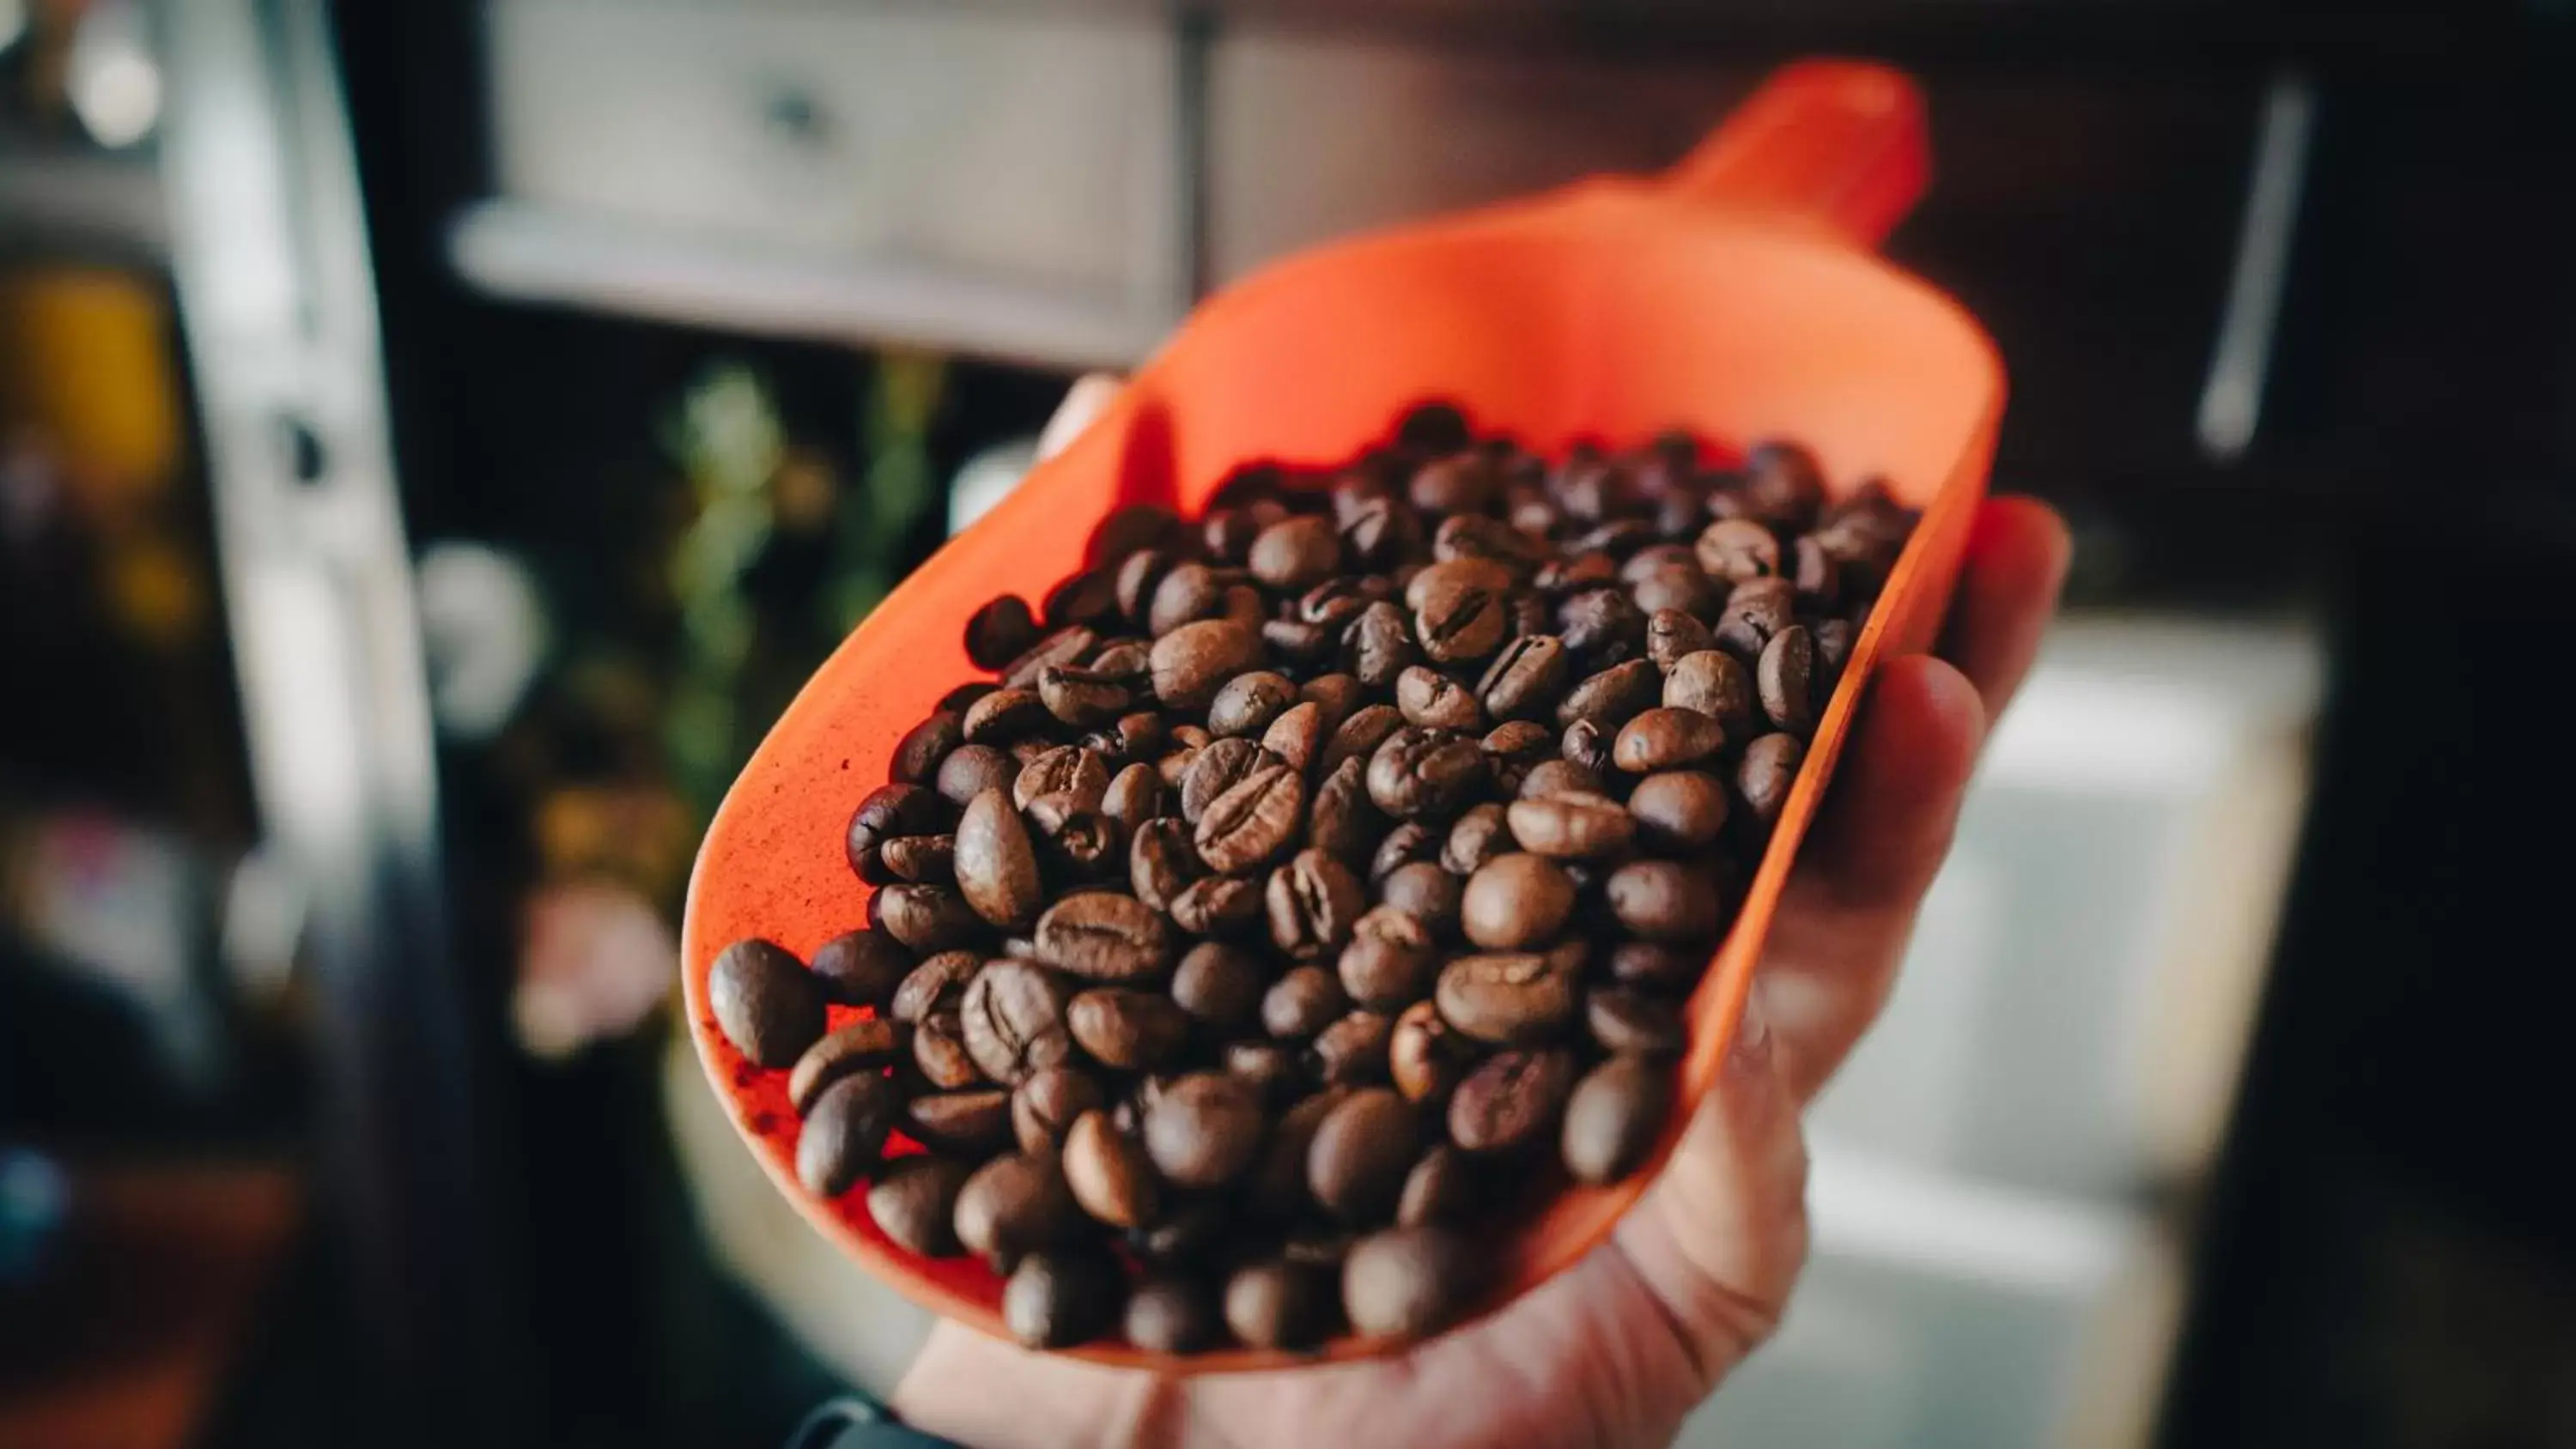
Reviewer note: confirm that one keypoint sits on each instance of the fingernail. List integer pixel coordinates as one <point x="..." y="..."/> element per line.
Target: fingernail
<point x="1750" y="1052"/>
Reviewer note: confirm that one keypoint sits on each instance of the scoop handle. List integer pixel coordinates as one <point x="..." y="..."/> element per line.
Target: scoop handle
<point x="1838" y="144"/>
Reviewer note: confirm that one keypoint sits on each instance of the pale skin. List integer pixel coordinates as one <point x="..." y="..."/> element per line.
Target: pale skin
<point x="1616" y="1350"/>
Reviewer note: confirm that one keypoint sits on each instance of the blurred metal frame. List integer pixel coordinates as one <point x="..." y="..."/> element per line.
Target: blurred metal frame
<point x="269" y="256"/>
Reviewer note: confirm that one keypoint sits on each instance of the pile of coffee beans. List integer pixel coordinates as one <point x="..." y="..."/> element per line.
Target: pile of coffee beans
<point x="1318" y="882"/>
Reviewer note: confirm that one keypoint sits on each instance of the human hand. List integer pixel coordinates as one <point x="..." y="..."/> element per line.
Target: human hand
<point x="1617" y="1349"/>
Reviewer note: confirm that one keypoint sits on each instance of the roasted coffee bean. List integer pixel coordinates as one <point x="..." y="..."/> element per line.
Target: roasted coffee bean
<point x="1191" y="591"/>
<point x="867" y="1045"/>
<point x="1406" y="842"/>
<point x="1680" y="810"/>
<point x="1559" y="777"/>
<point x="1059" y="1299"/>
<point x="1441" y="1188"/>
<point x="1682" y="591"/>
<point x="939" y="1050"/>
<point x="1174" y="1314"/>
<point x="1218" y="905"/>
<point x="1602" y="626"/>
<point x="1075" y="842"/>
<point x="1089" y="597"/>
<point x="1045" y="1107"/>
<point x="1344" y="822"/>
<point x="1666" y="738"/>
<point x="1623" y="1019"/>
<point x="1483" y="536"/>
<point x="1248" y="702"/>
<point x="1425" y="892"/>
<point x="1516" y="901"/>
<point x="1609" y="698"/>
<point x="1161" y="862"/>
<point x="1764" y="775"/>
<point x="1302" y="1003"/>
<point x="1425" y="1056"/>
<point x="1460" y="483"/>
<point x="1228" y="533"/>
<point x="970" y="770"/>
<point x="1389" y="960"/>
<point x="1025" y="752"/>
<point x="1664" y="900"/>
<point x="1276" y="1191"/>
<point x="1655" y="966"/>
<point x="1218" y="768"/>
<point x="1006" y="715"/>
<point x="1070" y="645"/>
<point x="1407" y="1282"/>
<point x="1461" y="618"/>
<point x="1433" y="700"/>
<point x="1062" y="770"/>
<point x="1783" y="484"/>
<point x="1333" y="604"/>
<point x="1100" y="936"/>
<point x="1572" y="826"/>
<point x="1613" y="1118"/>
<point x="1379" y="645"/>
<point x="844" y="1134"/>
<point x="1672" y="636"/>
<point x="1423" y="774"/>
<point x="1477" y="836"/>
<point x="1737" y="549"/>
<point x="921" y="859"/>
<point x="1138" y="574"/>
<point x="1280" y="1305"/>
<point x="765" y="1002"/>
<point x="861" y="968"/>
<point x="1297" y="735"/>
<point x="1517" y="744"/>
<point x="888" y="811"/>
<point x="1786" y="680"/>
<point x="1513" y="1100"/>
<point x="1014" y="1205"/>
<point x="1132" y="528"/>
<point x="936" y="985"/>
<point x="1108" y="1174"/>
<point x="1013" y="1018"/>
<point x="1193" y="661"/>
<point x="1313" y="901"/>
<point x="973" y="1123"/>
<point x="1360" y="736"/>
<point x="1204" y="1130"/>
<point x="1378" y="532"/>
<point x="957" y="701"/>
<point x="1352" y="1052"/>
<point x="925" y="918"/>
<point x="1219" y="985"/>
<point x="1128" y="1029"/>
<point x="1296" y="552"/>
<point x="1362" y="1150"/>
<point x="914" y="1203"/>
<point x="1587" y="744"/>
<point x="996" y="863"/>
<point x="1507" y="998"/>
<point x="1000" y="631"/>
<point x="1134" y="796"/>
<point x="1273" y="1069"/>
<point x="918" y="754"/>
<point x="1834" y="639"/>
<point x="1713" y="683"/>
<point x="1814" y="571"/>
<point x="1757" y="610"/>
<point x="1252" y="823"/>
<point x="1081" y="697"/>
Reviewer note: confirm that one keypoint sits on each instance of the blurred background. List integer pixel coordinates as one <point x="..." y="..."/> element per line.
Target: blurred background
<point x="436" y="438"/>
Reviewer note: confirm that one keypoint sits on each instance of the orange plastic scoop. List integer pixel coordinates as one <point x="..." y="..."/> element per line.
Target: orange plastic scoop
<point x="1734" y="297"/>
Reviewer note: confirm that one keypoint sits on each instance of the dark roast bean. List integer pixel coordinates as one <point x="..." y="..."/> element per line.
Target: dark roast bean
<point x="1408" y="841"/>
<point x="765" y="1002"/>
<point x="1425" y="892"/>
<point x="861" y="968"/>
<point x="921" y="859"/>
<point x="970" y="770"/>
<point x="1000" y="631"/>
<point x="1006" y="715"/>
<point x="914" y="1203"/>
<point x="1655" y="966"/>
<point x="1588" y="744"/>
<point x="867" y="1045"/>
<point x="888" y="811"/>
<point x="936" y="985"/>
<point x="1608" y="698"/>
<point x="1218" y="985"/>
<point x="1108" y="1174"/>
<point x="1834" y="639"/>
<point x="1280" y="1305"/>
<point x="1135" y="795"/>
<point x="1138" y="573"/>
<point x="1070" y="645"/>
<point x="1664" y="900"/>
<point x="1572" y="826"/>
<point x="1229" y="532"/>
<point x="1189" y="592"/>
<point x="1089" y="597"/>
<point x="996" y="863"/>
<point x="1672" y="636"/>
<point x="918" y="754"/>
<point x="1441" y="1188"/>
<point x="1756" y="611"/>
<point x="1075" y="842"/>
<point x="1014" y="1205"/>
<point x="1128" y="1029"/>
<point x="1526" y="679"/>
<point x="1737" y="549"/>
<point x="1679" y="809"/>
<point x="1249" y="702"/>
<point x="1433" y="700"/>
<point x="1057" y="1300"/>
<point x="1313" y="901"/>
<point x="1161" y="862"/>
<point x="1507" y="998"/>
<point x="1296" y="736"/>
<point x="1407" y="1282"/>
<point x="1602" y="626"/>
<point x="973" y="1123"/>
<point x="1174" y="1314"/>
<point x="1559" y="777"/>
<point x="1516" y="901"/>
<point x="1302" y="1003"/>
<point x="1360" y="736"/>
<point x="844" y="1133"/>
<point x="1477" y="837"/>
<point x="1683" y="592"/>
<point x="1786" y="680"/>
<point x="1421" y="774"/>
<point x="1814" y="571"/>
<point x="1193" y="661"/>
<point x="1062" y="770"/>
<point x="1783" y="484"/>
<point x="939" y="1050"/>
<point x="1764" y="775"/>
<point x="957" y="701"/>
<point x="1511" y="1101"/>
<point x="1622" y="1019"/>
<point x="1379" y="644"/>
<point x="1101" y="936"/>
<point x="1352" y="1052"/>
<point x="1082" y="697"/>
<point x="1045" y="1107"/>
<point x="1425" y="1056"/>
<point x="1219" y="905"/>
<point x="1666" y="738"/>
<point x="1613" y="1118"/>
<point x="1013" y="1018"/>
<point x="1486" y="537"/>
<point x="1221" y="766"/>
<point x="1389" y="960"/>
<point x="1204" y="1130"/>
<point x="1271" y="1069"/>
<point x="1461" y="618"/>
<point x="1344" y="822"/>
<point x="925" y="918"/>
<point x="1362" y="1150"/>
<point x="1712" y="682"/>
<point x="1252" y="823"/>
<point x="1296" y="552"/>
<point x="1462" y="482"/>
<point x="1336" y="695"/>
<point x="1276" y="1192"/>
